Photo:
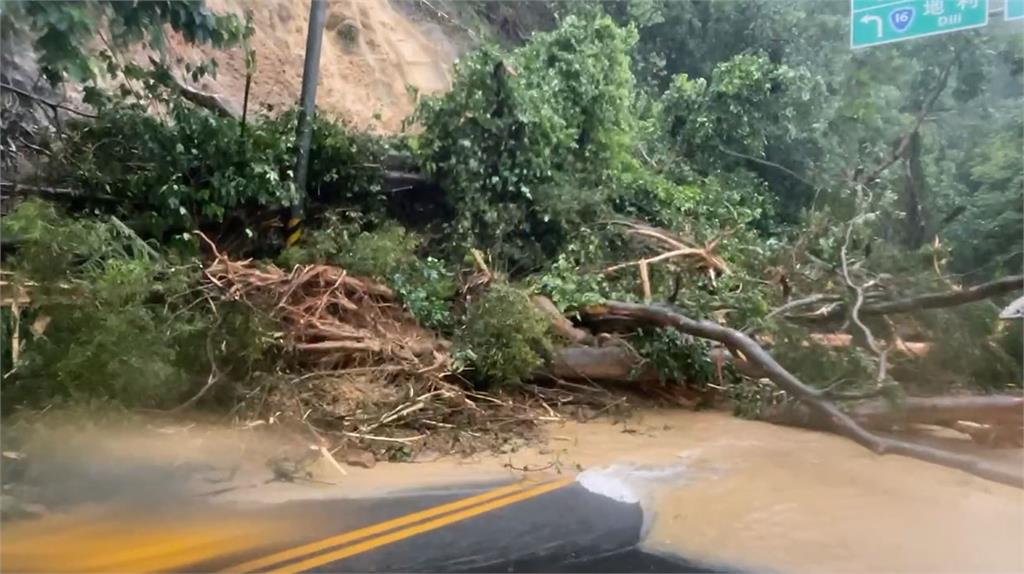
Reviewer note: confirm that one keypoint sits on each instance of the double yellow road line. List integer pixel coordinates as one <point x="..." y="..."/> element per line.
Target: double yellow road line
<point x="365" y="539"/>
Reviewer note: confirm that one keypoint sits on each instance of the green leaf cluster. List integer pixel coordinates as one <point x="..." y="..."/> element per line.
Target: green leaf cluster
<point x="505" y="338"/>
<point x="117" y="320"/>
<point x="522" y="137"/>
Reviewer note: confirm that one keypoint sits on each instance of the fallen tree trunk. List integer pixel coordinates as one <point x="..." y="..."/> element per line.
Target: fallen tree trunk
<point x="604" y="364"/>
<point x="837" y="420"/>
<point x="617" y="364"/>
<point x="995" y="410"/>
<point x="882" y="414"/>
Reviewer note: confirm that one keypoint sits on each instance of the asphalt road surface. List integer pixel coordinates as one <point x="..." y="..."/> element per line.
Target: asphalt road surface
<point x="551" y="525"/>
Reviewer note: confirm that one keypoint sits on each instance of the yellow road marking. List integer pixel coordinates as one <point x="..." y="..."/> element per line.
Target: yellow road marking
<point x="130" y="545"/>
<point x="419" y="528"/>
<point x="300" y="551"/>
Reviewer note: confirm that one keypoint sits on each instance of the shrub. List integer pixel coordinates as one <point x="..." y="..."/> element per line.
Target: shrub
<point x="521" y="140"/>
<point x="117" y="319"/>
<point x="675" y="356"/>
<point x="505" y="337"/>
<point x="193" y="167"/>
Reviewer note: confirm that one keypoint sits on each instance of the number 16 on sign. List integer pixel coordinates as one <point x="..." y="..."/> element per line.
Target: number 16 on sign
<point x="874" y="22"/>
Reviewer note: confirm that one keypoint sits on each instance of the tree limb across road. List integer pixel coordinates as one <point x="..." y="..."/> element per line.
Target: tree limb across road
<point x="836" y="420"/>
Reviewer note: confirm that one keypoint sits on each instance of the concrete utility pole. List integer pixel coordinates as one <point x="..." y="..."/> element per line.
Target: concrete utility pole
<point x="307" y="107"/>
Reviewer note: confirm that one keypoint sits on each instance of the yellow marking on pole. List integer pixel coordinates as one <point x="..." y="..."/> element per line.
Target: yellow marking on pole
<point x="380" y="527"/>
<point x="294" y="229"/>
<point x="419" y="528"/>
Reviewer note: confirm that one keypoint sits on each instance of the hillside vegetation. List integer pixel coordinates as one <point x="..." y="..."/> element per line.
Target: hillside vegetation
<point x="696" y="203"/>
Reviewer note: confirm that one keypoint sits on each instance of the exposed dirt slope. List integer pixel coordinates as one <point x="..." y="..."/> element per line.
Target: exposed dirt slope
<point x="371" y="52"/>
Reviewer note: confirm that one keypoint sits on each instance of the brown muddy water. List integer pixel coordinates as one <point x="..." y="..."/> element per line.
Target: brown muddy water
<point x="715" y="488"/>
<point x="762" y="496"/>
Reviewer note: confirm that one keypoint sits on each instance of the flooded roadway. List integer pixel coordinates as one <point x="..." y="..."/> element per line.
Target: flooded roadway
<point x="712" y="488"/>
<point x="760" y="496"/>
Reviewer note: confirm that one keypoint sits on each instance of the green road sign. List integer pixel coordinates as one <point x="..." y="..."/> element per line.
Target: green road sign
<point x="1014" y="10"/>
<point x="874" y="22"/>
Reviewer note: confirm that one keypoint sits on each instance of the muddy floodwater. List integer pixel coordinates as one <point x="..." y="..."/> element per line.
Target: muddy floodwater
<point x="713" y="487"/>
<point x="767" y="497"/>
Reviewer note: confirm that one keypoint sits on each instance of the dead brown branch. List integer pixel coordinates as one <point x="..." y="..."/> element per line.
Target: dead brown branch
<point x="211" y="102"/>
<point x="703" y="259"/>
<point x="378" y="381"/>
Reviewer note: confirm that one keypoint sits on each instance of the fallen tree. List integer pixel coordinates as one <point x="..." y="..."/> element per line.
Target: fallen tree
<point x="612" y="364"/>
<point x="1002" y="410"/>
<point x="834" y="418"/>
<point x="996" y="420"/>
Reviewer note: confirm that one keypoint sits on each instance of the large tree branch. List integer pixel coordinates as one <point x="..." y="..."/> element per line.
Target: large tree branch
<point x="838" y="421"/>
<point x="947" y="299"/>
<point x="921" y="302"/>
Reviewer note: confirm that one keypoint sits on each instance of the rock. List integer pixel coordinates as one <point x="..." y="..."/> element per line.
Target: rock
<point x="511" y="445"/>
<point x="427" y="456"/>
<point x="360" y="458"/>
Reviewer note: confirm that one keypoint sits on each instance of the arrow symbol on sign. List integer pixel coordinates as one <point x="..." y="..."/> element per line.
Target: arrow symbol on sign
<point x="876" y="19"/>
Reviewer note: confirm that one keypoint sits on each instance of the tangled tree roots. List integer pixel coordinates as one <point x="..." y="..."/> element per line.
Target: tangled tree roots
<point x="379" y="380"/>
<point x="331" y="318"/>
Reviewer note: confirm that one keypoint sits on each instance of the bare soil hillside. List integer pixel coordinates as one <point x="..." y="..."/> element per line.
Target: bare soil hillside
<point x="371" y="54"/>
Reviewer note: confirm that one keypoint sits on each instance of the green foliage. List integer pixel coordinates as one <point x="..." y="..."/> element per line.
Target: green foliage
<point x="677" y="357"/>
<point x="50" y="245"/>
<point x="423" y="285"/>
<point x="974" y="351"/>
<point x="380" y="253"/>
<point x="570" y="289"/>
<point x="820" y="365"/>
<point x="747" y="102"/>
<point x="65" y="32"/>
<point x="185" y="169"/>
<point x="192" y="167"/>
<point x="519" y="134"/>
<point x="992" y="224"/>
<point x="572" y="281"/>
<point x="750" y="116"/>
<point x="344" y="165"/>
<point x="122" y="321"/>
<point x="505" y="338"/>
<point x="426" y="289"/>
